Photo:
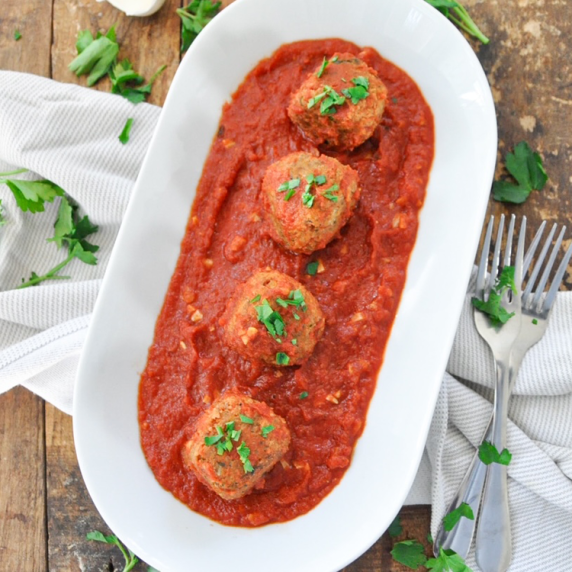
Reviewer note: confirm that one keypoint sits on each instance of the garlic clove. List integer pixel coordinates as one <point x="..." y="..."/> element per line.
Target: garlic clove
<point x="136" y="7"/>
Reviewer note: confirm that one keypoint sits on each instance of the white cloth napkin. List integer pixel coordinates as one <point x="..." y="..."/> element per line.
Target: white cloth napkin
<point x="70" y="135"/>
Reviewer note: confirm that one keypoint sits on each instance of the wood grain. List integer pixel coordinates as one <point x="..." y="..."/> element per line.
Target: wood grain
<point x="22" y="494"/>
<point x="33" y="19"/>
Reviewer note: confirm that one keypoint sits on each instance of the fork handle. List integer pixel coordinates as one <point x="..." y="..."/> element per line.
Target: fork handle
<point x="494" y="543"/>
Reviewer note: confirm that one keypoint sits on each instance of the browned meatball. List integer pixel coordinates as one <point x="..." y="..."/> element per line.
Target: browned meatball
<point x="341" y="104"/>
<point x="236" y="442"/>
<point x="307" y="200"/>
<point x="273" y="318"/>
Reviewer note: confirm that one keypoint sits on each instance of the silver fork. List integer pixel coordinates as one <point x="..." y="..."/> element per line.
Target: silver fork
<point x="535" y="313"/>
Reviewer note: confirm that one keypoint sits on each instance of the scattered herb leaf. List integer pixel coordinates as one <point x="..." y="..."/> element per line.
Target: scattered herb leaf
<point x="304" y="395"/>
<point x="329" y="193"/>
<point x="410" y="553"/>
<point x="447" y="561"/>
<point x="359" y="91"/>
<point x="266" y="430"/>
<point x="535" y="321"/>
<point x="527" y="169"/>
<point x="498" y="315"/>
<point x="271" y="319"/>
<point x="255" y="299"/>
<point x="488" y="454"/>
<point x="244" y="452"/>
<point x="459" y="15"/>
<point x="130" y="559"/>
<point x="246" y="419"/>
<point x="31" y="195"/>
<point x="395" y="528"/>
<point x="96" y="56"/>
<point x="17" y="35"/>
<point x="451" y="519"/>
<point x="289" y="185"/>
<point x="194" y="17"/>
<point x="282" y="358"/>
<point x="124" y="137"/>
<point x="312" y="268"/>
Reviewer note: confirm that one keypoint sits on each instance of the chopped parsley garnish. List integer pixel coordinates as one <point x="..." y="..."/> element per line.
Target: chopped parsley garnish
<point x="294" y="342"/>
<point x="194" y="18"/>
<point x="447" y="561"/>
<point x="271" y="319"/>
<point x="527" y="169"/>
<point x="451" y="519"/>
<point x="304" y="395"/>
<point x="17" y="35"/>
<point x="459" y="15"/>
<point x="329" y="193"/>
<point x="255" y="299"/>
<point x="329" y="98"/>
<point x="127" y="82"/>
<point x="410" y="553"/>
<point x="289" y="185"/>
<point x="535" y="321"/>
<point x="359" y="91"/>
<point x="130" y="559"/>
<point x="244" y="452"/>
<point x="282" y="358"/>
<point x="223" y="439"/>
<point x="488" y="454"/>
<point x="95" y="56"/>
<point x="296" y="317"/>
<point x="246" y="419"/>
<point x="492" y="307"/>
<point x="395" y="528"/>
<point x="290" y="194"/>
<point x="312" y="268"/>
<point x="266" y="430"/>
<point x="308" y="198"/>
<point x="324" y="65"/>
<point x="124" y="137"/>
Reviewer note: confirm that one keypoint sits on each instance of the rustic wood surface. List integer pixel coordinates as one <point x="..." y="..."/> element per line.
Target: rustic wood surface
<point x="45" y="510"/>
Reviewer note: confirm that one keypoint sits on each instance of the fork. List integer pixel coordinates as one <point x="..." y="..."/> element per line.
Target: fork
<point x="535" y="313"/>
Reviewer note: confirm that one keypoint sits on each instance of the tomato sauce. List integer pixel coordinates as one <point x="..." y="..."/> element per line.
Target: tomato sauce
<point x="358" y="286"/>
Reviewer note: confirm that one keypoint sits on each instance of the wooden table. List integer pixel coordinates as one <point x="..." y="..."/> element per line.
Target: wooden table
<point x="45" y="510"/>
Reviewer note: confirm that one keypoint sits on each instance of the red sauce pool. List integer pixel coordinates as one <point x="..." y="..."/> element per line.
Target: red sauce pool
<point x="359" y="290"/>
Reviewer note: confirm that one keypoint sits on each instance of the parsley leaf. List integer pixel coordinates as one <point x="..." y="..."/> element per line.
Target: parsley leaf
<point x="31" y="195"/>
<point x="447" y="561"/>
<point x="410" y="553"/>
<point x="451" y="519"/>
<point x="488" y="454"/>
<point x="395" y="528"/>
<point x="329" y="193"/>
<point x="72" y="232"/>
<point x="282" y="358"/>
<point x="289" y="185"/>
<point x="266" y="430"/>
<point x="497" y="314"/>
<point x="94" y="57"/>
<point x="244" y="452"/>
<point x="359" y="92"/>
<point x="527" y="169"/>
<point x="130" y="559"/>
<point x="271" y="319"/>
<point x="246" y="419"/>
<point x="17" y="35"/>
<point x="312" y="268"/>
<point x="459" y="15"/>
<point x="124" y="137"/>
<point x="125" y="81"/>
<point x="303" y="395"/>
<point x="323" y="67"/>
<point x="194" y="18"/>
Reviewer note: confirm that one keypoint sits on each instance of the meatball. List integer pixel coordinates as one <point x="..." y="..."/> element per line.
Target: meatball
<point x="340" y="104"/>
<point x="273" y="318"/>
<point x="235" y="443"/>
<point x="307" y="200"/>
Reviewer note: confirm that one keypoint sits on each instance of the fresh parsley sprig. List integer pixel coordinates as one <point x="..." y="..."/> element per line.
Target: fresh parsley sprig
<point x="30" y="195"/>
<point x="359" y="91"/>
<point x="194" y="17"/>
<point x="130" y="559"/>
<point x="488" y="454"/>
<point x="244" y="454"/>
<point x="459" y="15"/>
<point x="410" y="553"/>
<point x="451" y="519"/>
<point x="527" y="169"/>
<point x="497" y="314"/>
<point x="71" y="231"/>
<point x="447" y="561"/>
